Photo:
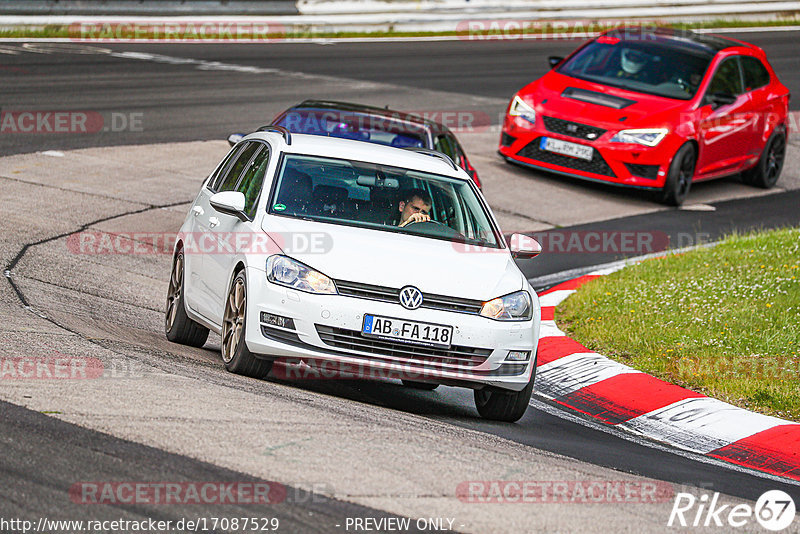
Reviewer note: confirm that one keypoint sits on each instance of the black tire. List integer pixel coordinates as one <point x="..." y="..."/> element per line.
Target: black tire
<point x="768" y="169"/>
<point x="237" y="357"/>
<point x="503" y="405"/>
<point x="177" y="325"/>
<point x="425" y="386"/>
<point x="679" y="177"/>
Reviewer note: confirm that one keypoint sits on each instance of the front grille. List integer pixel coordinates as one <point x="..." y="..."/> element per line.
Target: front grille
<point x="389" y="294"/>
<point x="645" y="171"/>
<point x="455" y="356"/>
<point x="507" y="140"/>
<point x="597" y="166"/>
<point x="573" y="129"/>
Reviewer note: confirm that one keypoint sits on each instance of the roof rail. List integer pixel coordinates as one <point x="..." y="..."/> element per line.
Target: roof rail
<point x="287" y="136"/>
<point x="434" y="153"/>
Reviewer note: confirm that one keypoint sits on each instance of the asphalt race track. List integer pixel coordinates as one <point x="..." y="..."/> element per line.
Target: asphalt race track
<point x="342" y="449"/>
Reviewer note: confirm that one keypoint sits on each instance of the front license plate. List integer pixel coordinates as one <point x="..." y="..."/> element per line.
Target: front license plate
<point x="566" y="148"/>
<point x="434" y="335"/>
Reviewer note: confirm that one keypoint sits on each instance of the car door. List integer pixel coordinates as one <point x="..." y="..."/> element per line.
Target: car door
<point x="232" y="233"/>
<point x="195" y="240"/>
<point x="725" y="132"/>
<point x="766" y="105"/>
<point x="208" y="228"/>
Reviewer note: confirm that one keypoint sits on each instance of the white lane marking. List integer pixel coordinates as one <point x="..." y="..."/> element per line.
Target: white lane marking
<point x="64" y="48"/>
<point x="701" y="424"/>
<point x="577" y="371"/>
<point x="698" y="207"/>
<point x="11" y="50"/>
<point x="52" y="153"/>
<point x="622" y="433"/>
<point x="555" y="298"/>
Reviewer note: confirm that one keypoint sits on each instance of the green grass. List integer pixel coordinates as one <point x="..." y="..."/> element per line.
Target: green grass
<point x="723" y="321"/>
<point x="65" y="31"/>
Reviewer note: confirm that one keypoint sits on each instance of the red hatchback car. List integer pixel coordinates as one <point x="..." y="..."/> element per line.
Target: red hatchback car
<point x="654" y="109"/>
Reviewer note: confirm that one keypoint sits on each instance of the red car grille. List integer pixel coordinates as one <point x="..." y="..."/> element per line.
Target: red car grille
<point x="597" y="166"/>
<point x="573" y="129"/>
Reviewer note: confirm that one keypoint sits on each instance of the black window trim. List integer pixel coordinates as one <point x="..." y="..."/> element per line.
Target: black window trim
<point x="265" y="146"/>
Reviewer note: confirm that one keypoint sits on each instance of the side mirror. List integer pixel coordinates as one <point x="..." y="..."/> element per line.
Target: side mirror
<point x="524" y="247"/>
<point x="235" y="138"/>
<point x="230" y="203"/>
<point x="554" y="60"/>
<point x="717" y="100"/>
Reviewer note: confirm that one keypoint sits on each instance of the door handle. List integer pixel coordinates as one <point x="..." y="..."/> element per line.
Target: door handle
<point x="213" y="221"/>
<point x="197" y="210"/>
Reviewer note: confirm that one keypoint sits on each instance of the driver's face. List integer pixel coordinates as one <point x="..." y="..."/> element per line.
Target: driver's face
<point x="416" y="205"/>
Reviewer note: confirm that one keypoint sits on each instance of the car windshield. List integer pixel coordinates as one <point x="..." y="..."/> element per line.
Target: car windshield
<point x="375" y="196"/>
<point x="389" y="131"/>
<point x="640" y="66"/>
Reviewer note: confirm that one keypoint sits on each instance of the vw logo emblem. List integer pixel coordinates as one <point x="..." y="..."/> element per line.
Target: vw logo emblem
<point x="572" y="128"/>
<point x="410" y="298"/>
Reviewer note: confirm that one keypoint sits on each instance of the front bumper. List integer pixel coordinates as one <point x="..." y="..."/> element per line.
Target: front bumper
<point x="327" y="328"/>
<point x="614" y="163"/>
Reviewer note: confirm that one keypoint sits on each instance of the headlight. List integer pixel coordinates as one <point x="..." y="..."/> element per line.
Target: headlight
<point x="285" y="271"/>
<point x="514" y="307"/>
<point x="521" y="109"/>
<point x="647" y="137"/>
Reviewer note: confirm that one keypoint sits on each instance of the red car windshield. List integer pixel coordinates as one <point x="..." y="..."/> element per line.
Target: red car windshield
<point x="642" y="67"/>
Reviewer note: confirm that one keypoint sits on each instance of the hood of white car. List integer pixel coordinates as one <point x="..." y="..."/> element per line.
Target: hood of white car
<point x="396" y="259"/>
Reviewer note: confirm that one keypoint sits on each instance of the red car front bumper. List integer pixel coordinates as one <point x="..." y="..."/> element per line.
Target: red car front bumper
<point x="622" y="164"/>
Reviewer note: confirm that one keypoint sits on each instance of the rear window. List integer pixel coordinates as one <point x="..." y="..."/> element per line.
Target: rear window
<point x="351" y="125"/>
<point x="755" y="73"/>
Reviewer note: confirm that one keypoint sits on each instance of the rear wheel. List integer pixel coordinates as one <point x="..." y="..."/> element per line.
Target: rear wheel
<point x="679" y="178"/>
<point x="501" y="405"/>
<point x="768" y="169"/>
<point x="425" y="386"/>
<point x="177" y="325"/>
<point x="237" y="357"/>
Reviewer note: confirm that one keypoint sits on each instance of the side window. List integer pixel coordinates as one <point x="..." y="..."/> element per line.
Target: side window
<point x="444" y="145"/>
<point x="727" y="80"/>
<point x="228" y="180"/>
<point x="755" y="74"/>
<point x="220" y="171"/>
<point x="252" y="180"/>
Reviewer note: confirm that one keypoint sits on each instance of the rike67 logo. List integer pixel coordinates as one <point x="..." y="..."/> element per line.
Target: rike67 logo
<point x="774" y="510"/>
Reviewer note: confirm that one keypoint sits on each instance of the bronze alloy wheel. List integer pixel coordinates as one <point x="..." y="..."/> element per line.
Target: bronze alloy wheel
<point x="233" y="322"/>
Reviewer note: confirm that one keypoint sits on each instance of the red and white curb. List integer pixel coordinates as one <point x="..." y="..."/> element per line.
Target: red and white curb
<point x="614" y="394"/>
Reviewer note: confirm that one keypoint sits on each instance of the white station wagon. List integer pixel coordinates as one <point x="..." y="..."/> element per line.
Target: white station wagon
<point x="301" y="249"/>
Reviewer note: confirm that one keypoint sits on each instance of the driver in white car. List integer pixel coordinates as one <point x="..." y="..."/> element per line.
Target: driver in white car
<point x="415" y="207"/>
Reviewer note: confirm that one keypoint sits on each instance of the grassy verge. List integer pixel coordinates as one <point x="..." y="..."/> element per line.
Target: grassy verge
<point x="550" y="28"/>
<point x="723" y="321"/>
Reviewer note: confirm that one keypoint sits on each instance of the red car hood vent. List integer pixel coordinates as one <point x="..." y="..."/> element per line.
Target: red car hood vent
<point x="594" y="97"/>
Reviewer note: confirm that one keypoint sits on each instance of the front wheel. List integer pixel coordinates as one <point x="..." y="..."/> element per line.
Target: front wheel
<point x="237" y="357"/>
<point x="768" y="169"/>
<point x="507" y="406"/>
<point x="679" y="177"/>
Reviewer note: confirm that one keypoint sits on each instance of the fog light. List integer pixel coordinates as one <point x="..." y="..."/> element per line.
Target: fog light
<point x="518" y="355"/>
<point x="277" y="320"/>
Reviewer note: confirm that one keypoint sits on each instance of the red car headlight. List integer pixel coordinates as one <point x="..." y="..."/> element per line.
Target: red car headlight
<point x="520" y="108"/>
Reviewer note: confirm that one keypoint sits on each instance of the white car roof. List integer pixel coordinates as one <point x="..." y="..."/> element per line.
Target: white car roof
<point x="318" y="145"/>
